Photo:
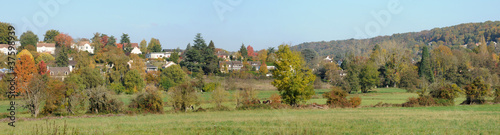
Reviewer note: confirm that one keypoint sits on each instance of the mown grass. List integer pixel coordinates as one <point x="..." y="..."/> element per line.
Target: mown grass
<point x="475" y="119"/>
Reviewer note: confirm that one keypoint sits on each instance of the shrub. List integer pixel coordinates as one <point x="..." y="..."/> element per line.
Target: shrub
<point x="247" y="99"/>
<point x="446" y="94"/>
<point x="423" y="100"/>
<point x="210" y="86"/>
<point x="219" y="95"/>
<point x="337" y="98"/>
<point x="117" y="87"/>
<point x="412" y="102"/>
<point x="183" y="97"/>
<point x="149" y="101"/>
<point x="476" y="91"/>
<point x="101" y="101"/>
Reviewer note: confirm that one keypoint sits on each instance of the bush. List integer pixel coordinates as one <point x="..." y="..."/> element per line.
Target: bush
<point x="337" y="98"/>
<point x="210" y="86"/>
<point x="247" y="99"/>
<point x="183" y="97"/>
<point x="117" y="87"/>
<point x="423" y="100"/>
<point x="219" y="95"/>
<point x="149" y="101"/>
<point x="476" y="91"/>
<point x="101" y="101"/>
<point x="446" y="94"/>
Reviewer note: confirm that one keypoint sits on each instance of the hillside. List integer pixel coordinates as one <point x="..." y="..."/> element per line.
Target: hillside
<point x="463" y="34"/>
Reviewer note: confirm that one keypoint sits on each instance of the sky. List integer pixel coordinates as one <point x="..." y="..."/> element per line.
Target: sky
<point x="231" y="23"/>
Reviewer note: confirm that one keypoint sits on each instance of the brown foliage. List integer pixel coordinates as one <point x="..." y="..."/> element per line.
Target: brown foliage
<point x="63" y="40"/>
<point x="25" y="68"/>
<point x="337" y="98"/>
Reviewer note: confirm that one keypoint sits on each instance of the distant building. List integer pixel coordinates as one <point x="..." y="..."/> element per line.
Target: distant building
<point x="156" y="55"/>
<point x="46" y="47"/>
<point x="237" y="65"/>
<point x="122" y="46"/>
<point x="136" y="50"/>
<point x="4" y="48"/>
<point x="59" y="72"/>
<point x="150" y="67"/>
<point x="224" y="55"/>
<point x="168" y="64"/>
<point x="84" y="46"/>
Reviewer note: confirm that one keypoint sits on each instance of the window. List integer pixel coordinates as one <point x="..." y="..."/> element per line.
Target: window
<point x="66" y="73"/>
<point x="51" y="73"/>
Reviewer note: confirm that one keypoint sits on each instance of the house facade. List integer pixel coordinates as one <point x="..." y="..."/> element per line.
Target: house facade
<point x="156" y="55"/>
<point x="136" y="50"/>
<point x="84" y="46"/>
<point x="46" y="47"/>
<point x="4" y="48"/>
<point x="59" y="72"/>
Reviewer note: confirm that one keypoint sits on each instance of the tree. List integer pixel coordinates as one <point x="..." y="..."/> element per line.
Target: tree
<point x="424" y="69"/>
<point x="294" y="82"/>
<point x="125" y="41"/>
<point x="243" y="51"/>
<point x="250" y="52"/>
<point x="138" y="64"/>
<point x="476" y="91"/>
<point x="50" y="35"/>
<point x="183" y="97"/>
<point x="219" y="96"/>
<point x="29" y="38"/>
<point x="63" y="40"/>
<point x="55" y="97"/>
<point x="91" y="77"/>
<point x="24" y="52"/>
<point x="42" y="68"/>
<point x="46" y="57"/>
<point x="74" y="94"/>
<point x="174" y="57"/>
<point x="34" y="94"/>
<point x="199" y="42"/>
<point x="111" y="41"/>
<point x="309" y="56"/>
<point x="4" y="33"/>
<point x="368" y="77"/>
<point x="144" y="46"/>
<point x="25" y="69"/>
<point x="96" y="42"/>
<point x="149" y="101"/>
<point x="172" y="76"/>
<point x="102" y="101"/>
<point x="154" y="45"/>
<point x="62" y="57"/>
<point x="133" y="82"/>
<point x="262" y="55"/>
<point x="263" y="69"/>
<point x="211" y="46"/>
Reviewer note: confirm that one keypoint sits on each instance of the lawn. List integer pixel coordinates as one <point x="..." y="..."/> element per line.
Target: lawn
<point x="476" y="119"/>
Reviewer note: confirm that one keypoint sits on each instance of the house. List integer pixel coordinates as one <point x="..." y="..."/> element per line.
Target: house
<point x="224" y="55"/>
<point x="71" y="65"/>
<point x="168" y="64"/>
<point x="230" y="65"/>
<point x="4" y="48"/>
<point x="156" y="55"/>
<point x="255" y="64"/>
<point x="136" y="50"/>
<point x="150" y="67"/>
<point x="46" y="47"/>
<point x="84" y="46"/>
<point x="59" y="72"/>
<point x="271" y="67"/>
<point x="328" y="59"/>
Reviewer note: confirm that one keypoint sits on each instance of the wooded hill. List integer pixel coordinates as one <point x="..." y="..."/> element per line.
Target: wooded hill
<point x="462" y="35"/>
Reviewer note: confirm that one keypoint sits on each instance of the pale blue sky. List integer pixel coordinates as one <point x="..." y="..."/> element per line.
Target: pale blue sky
<point x="260" y="23"/>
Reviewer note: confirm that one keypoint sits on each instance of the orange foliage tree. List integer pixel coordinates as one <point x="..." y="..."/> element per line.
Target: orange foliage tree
<point x="63" y="40"/>
<point x="25" y="67"/>
<point x="42" y="68"/>
<point x="251" y="53"/>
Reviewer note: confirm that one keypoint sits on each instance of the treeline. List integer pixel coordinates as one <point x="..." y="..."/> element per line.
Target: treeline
<point x="464" y="34"/>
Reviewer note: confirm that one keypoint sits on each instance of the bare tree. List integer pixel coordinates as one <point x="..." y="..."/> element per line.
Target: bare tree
<point x="35" y="93"/>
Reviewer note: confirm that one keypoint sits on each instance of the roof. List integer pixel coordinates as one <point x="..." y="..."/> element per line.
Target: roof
<point x="4" y="45"/>
<point x="150" y="66"/>
<point x="58" y="71"/>
<point x="72" y="62"/>
<point x="46" y="44"/>
<point x="171" y="50"/>
<point x="131" y="44"/>
<point x="82" y="43"/>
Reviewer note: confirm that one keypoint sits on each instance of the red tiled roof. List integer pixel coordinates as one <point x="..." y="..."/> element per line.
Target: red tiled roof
<point x="4" y="45"/>
<point x="131" y="44"/>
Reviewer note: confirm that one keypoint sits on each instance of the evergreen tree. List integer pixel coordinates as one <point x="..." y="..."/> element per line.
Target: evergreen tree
<point x="424" y="69"/>
<point x="243" y="51"/>
<point x="62" y="57"/>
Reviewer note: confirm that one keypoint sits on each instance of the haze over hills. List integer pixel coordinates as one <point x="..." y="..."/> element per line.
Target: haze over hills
<point x="462" y="35"/>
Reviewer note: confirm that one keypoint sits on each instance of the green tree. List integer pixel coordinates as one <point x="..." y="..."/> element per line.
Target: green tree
<point x="29" y="39"/>
<point x="96" y="42"/>
<point x="368" y="77"/>
<point x="175" y="56"/>
<point x="243" y="51"/>
<point x="310" y="57"/>
<point x="424" y="69"/>
<point x="133" y="82"/>
<point x="111" y="41"/>
<point x="91" y="77"/>
<point x="4" y="33"/>
<point x="50" y="35"/>
<point x="46" y="57"/>
<point x="172" y="76"/>
<point x="62" y="57"/>
<point x="154" y="45"/>
<point x="476" y="91"/>
<point x="125" y="41"/>
<point x="293" y="80"/>
<point x="74" y="95"/>
<point x="144" y="46"/>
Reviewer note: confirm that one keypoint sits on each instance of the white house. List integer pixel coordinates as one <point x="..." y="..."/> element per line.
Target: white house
<point x="136" y="50"/>
<point x="4" y="48"/>
<point x="84" y="46"/>
<point x="156" y="55"/>
<point x="168" y="64"/>
<point x="46" y="47"/>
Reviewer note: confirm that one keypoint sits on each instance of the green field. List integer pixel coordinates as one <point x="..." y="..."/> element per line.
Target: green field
<point x="476" y="119"/>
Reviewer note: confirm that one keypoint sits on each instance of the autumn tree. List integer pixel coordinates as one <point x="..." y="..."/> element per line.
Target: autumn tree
<point x="29" y="38"/>
<point x="263" y="69"/>
<point x="219" y="96"/>
<point x="293" y="80"/>
<point x="34" y="94"/>
<point x="74" y="94"/>
<point x="42" y="68"/>
<point x="63" y="40"/>
<point x="262" y="55"/>
<point x="50" y="35"/>
<point x="138" y="64"/>
<point x="251" y="53"/>
<point x="183" y="97"/>
<point x="25" y="68"/>
<point x="476" y="91"/>
<point x="144" y="46"/>
<point x="46" y="57"/>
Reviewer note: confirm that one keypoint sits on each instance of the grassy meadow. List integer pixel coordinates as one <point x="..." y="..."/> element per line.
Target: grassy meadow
<point x="475" y="119"/>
